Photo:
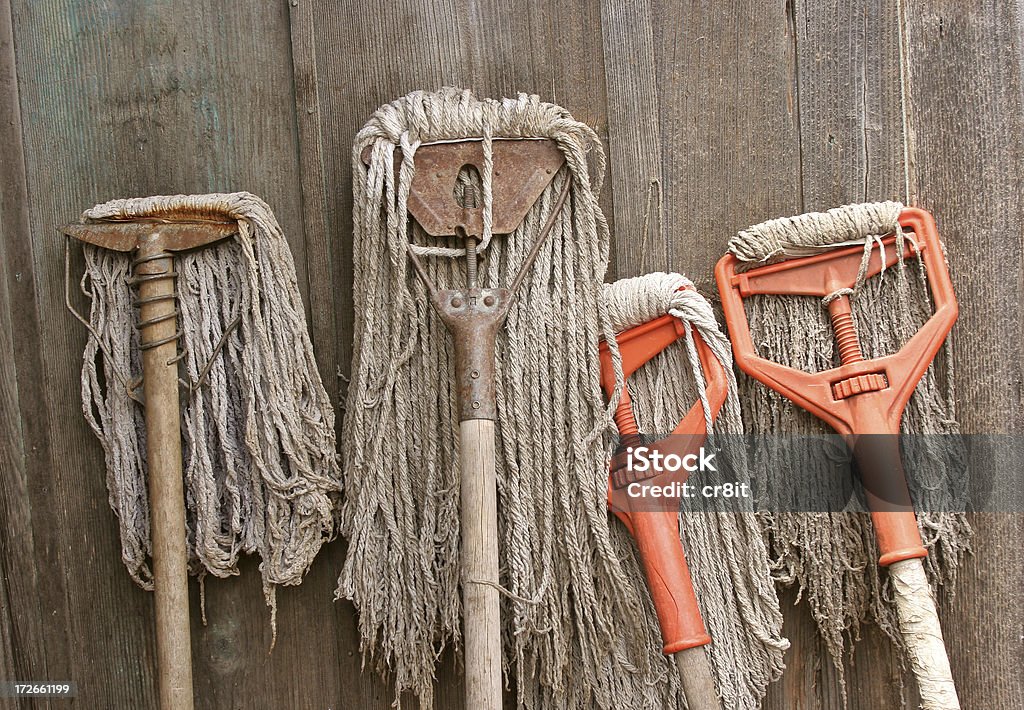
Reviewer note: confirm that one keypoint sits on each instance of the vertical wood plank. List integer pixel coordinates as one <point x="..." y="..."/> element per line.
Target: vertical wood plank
<point x="325" y="272"/>
<point x="495" y="47"/>
<point x="25" y="452"/>
<point x="634" y="134"/>
<point x="702" y="98"/>
<point x="851" y="115"/>
<point x="966" y="118"/>
<point x="851" y="150"/>
<point x="122" y="99"/>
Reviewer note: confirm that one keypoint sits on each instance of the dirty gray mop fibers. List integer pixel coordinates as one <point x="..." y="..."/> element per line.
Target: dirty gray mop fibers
<point x="260" y="461"/>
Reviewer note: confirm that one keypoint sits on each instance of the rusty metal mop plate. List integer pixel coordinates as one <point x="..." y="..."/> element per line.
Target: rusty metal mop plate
<point x="173" y="236"/>
<point x="523" y="168"/>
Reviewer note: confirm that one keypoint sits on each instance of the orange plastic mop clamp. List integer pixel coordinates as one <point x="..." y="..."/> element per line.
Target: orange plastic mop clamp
<point x="657" y="531"/>
<point x="862" y="399"/>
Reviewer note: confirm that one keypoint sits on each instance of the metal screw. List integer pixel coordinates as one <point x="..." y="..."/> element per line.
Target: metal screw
<point x="476" y="405"/>
<point x="456" y="302"/>
<point x="548" y="171"/>
<point x="438" y="174"/>
<point x="474" y="374"/>
<point x="488" y="300"/>
<point x="471" y="262"/>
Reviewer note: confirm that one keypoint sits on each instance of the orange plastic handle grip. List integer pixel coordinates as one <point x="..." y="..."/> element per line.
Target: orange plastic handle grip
<point x="861" y="398"/>
<point x="657" y="531"/>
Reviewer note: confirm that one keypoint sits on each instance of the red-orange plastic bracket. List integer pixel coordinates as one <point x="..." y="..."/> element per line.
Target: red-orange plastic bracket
<point x="657" y="531"/>
<point x="860" y="397"/>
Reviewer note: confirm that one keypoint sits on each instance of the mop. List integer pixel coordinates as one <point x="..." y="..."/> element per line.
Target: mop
<point x="661" y="319"/>
<point x="871" y="295"/>
<point x="249" y="465"/>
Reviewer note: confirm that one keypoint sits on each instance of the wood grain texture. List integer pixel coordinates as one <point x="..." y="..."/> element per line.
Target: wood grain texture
<point x="167" y="528"/>
<point x="478" y="555"/>
<point x="738" y="112"/>
<point x="495" y="47"/>
<point x="702" y="99"/>
<point x="31" y="601"/>
<point x="122" y="99"/>
<point x="966" y="121"/>
<point x="851" y="115"/>
<point x="325" y="272"/>
<point x="851" y="150"/>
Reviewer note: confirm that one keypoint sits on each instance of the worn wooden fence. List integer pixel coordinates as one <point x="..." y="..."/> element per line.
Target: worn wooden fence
<point x="715" y="115"/>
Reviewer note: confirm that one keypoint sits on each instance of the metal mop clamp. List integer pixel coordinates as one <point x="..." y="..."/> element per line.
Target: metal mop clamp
<point x="863" y="400"/>
<point x="656" y="532"/>
<point x="522" y="170"/>
<point x="154" y="244"/>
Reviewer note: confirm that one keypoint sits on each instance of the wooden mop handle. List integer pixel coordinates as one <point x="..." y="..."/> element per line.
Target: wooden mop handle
<point x="473" y="316"/>
<point x="152" y="243"/>
<point x="698" y="681"/>
<point x="154" y="274"/>
<point x="481" y="609"/>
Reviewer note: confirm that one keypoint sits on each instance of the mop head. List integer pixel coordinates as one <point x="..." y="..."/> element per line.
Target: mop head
<point x="832" y="556"/>
<point x="259" y="449"/>
<point x="725" y="551"/>
<point x="570" y="610"/>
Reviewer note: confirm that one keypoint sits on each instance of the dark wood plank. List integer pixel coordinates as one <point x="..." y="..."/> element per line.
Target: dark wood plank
<point x="851" y="109"/>
<point x="325" y="271"/>
<point x="120" y="100"/>
<point x="31" y="603"/>
<point x="722" y="140"/>
<point x="727" y="155"/>
<point x="686" y="109"/>
<point x="634" y="135"/>
<point x="966" y="117"/>
<point x="811" y="681"/>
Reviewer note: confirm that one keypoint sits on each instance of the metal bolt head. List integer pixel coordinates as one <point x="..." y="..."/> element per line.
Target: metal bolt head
<point x="456" y="302"/>
<point x="488" y="301"/>
<point x="476" y="405"/>
<point x="474" y="374"/>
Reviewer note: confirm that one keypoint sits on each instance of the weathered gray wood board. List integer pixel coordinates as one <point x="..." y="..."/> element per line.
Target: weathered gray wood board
<point x="967" y="127"/>
<point x="714" y="117"/>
